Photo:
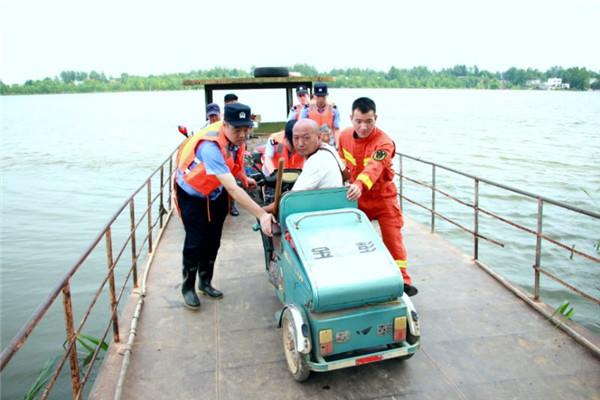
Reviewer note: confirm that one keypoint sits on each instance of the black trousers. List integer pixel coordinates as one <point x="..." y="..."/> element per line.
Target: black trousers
<point x="203" y="221"/>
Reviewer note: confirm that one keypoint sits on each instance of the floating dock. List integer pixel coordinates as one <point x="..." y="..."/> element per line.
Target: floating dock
<point x="478" y="340"/>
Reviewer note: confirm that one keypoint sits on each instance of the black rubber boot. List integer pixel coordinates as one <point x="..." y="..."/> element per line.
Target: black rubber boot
<point x="207" y="290"/>
<point x="204" y="285"/>
<point x="190" y="298"/>
<point x="410" y="290"/>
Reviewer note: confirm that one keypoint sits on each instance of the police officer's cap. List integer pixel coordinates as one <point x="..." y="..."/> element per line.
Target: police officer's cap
<point x="238" y="114"/>
<point x="320" y="89"/>
<point x="212" y="109"/>
<point x="301" y="90"/>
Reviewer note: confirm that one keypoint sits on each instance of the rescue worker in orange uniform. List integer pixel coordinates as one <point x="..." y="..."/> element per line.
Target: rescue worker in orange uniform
<point x="324" y="113"/>
<point x="303" y="100"/>
<point x="368" y="153"/>
<point x="281" y="145"/>
<point x="207" y="168"/>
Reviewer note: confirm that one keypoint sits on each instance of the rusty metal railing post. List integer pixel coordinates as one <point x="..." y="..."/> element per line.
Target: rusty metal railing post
<point x="400" y="175"/>
<point x="161" y="207"/>
<point x="432" y="198"/>
<point x="538" y="251"/>
<point x="476" y="221"/>
<point x="111" y="284"/>
<point x="133" y="244"/>
<point x="170" y="183"/>
<point x="71" y="336"/>
<point x="149" y="209"/>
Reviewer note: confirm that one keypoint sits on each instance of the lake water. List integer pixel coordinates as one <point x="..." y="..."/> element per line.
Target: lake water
<point x="69" y="162"/>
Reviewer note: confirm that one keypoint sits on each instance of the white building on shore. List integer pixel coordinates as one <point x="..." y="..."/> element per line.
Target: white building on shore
<point x="553" y="84"/>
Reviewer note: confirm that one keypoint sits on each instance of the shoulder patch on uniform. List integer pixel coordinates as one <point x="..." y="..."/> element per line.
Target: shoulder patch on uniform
<point x="380" y="155"/>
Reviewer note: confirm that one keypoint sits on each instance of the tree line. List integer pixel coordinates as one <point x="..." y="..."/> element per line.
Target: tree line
<point x="459" y="76"/>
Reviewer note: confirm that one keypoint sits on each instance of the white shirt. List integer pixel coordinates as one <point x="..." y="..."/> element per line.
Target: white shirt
<point x="321" y="170"/>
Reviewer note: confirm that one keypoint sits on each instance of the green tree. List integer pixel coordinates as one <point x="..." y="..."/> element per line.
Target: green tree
<point x="459" y="70"/>
<point x="67" y="76"/>
<point x="459" y="76"/>
<point x="516" y="76"/>
<point x="81" y="76"/>
<point x="98" y="76"/>
<point x="555" y="72"/>
<point x="577" y="78"/>
<point x="393" y="74"/>
<point x="305" y="69"/>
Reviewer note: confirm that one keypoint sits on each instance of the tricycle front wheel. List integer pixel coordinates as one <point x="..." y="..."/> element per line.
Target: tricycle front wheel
<point x="296" y="361"/>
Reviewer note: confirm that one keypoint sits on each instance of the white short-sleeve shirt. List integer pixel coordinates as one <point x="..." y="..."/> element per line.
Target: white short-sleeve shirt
<point x="323" y="169"/>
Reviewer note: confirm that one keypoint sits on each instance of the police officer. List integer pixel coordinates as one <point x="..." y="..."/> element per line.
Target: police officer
<point x="213" y="113"/>
<point x="231" y="98"/>
<point x="303" y="100"/>
<point x="207" y="168"/>
<point x="323" y="113"/>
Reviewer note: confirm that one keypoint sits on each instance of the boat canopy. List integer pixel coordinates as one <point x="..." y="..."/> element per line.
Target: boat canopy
<point x="288" y="83"/>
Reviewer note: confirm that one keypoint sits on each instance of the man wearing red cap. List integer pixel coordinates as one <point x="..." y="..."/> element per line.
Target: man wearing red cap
<point x="368" y="153"/>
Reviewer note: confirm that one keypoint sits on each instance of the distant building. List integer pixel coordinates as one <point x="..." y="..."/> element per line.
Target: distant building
<point x="553" y="84"/>
<point x="533" y="83"/>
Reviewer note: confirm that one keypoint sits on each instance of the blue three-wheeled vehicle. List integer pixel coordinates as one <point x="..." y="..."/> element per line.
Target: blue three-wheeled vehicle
<point x="342" y="293"/>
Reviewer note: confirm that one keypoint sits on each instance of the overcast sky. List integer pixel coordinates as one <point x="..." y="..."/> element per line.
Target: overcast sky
<point x="42" y="38"/>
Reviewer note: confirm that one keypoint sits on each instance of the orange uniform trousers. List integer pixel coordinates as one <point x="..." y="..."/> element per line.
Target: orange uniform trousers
<point x="387" y="212"/>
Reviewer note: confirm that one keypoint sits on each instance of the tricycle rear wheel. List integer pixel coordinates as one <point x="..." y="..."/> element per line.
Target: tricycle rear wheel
<point x="297" y="362"/>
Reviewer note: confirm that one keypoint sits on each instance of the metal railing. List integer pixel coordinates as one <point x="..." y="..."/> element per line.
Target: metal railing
<point x="475" y="231"/>
<point x="79" y="379"/>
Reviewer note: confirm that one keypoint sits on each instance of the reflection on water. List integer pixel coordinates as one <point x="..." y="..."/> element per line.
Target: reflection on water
<point x="69" y="161"/>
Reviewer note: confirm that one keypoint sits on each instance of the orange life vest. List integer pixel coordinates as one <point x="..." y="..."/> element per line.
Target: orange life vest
<point x="294" y="160"/>
<point x="324" y="118"/>
<point x="370" y="162"/>
<point x="196" y="176"/>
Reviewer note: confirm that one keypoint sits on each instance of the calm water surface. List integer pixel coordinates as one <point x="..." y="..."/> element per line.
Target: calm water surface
<point x="69" y="161"/>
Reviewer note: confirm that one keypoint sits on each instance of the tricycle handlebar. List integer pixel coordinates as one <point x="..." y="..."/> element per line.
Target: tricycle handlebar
<point x="318" y="214"/>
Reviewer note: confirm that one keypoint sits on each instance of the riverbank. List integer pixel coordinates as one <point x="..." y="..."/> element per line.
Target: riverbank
<point x="457" y="77"/>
